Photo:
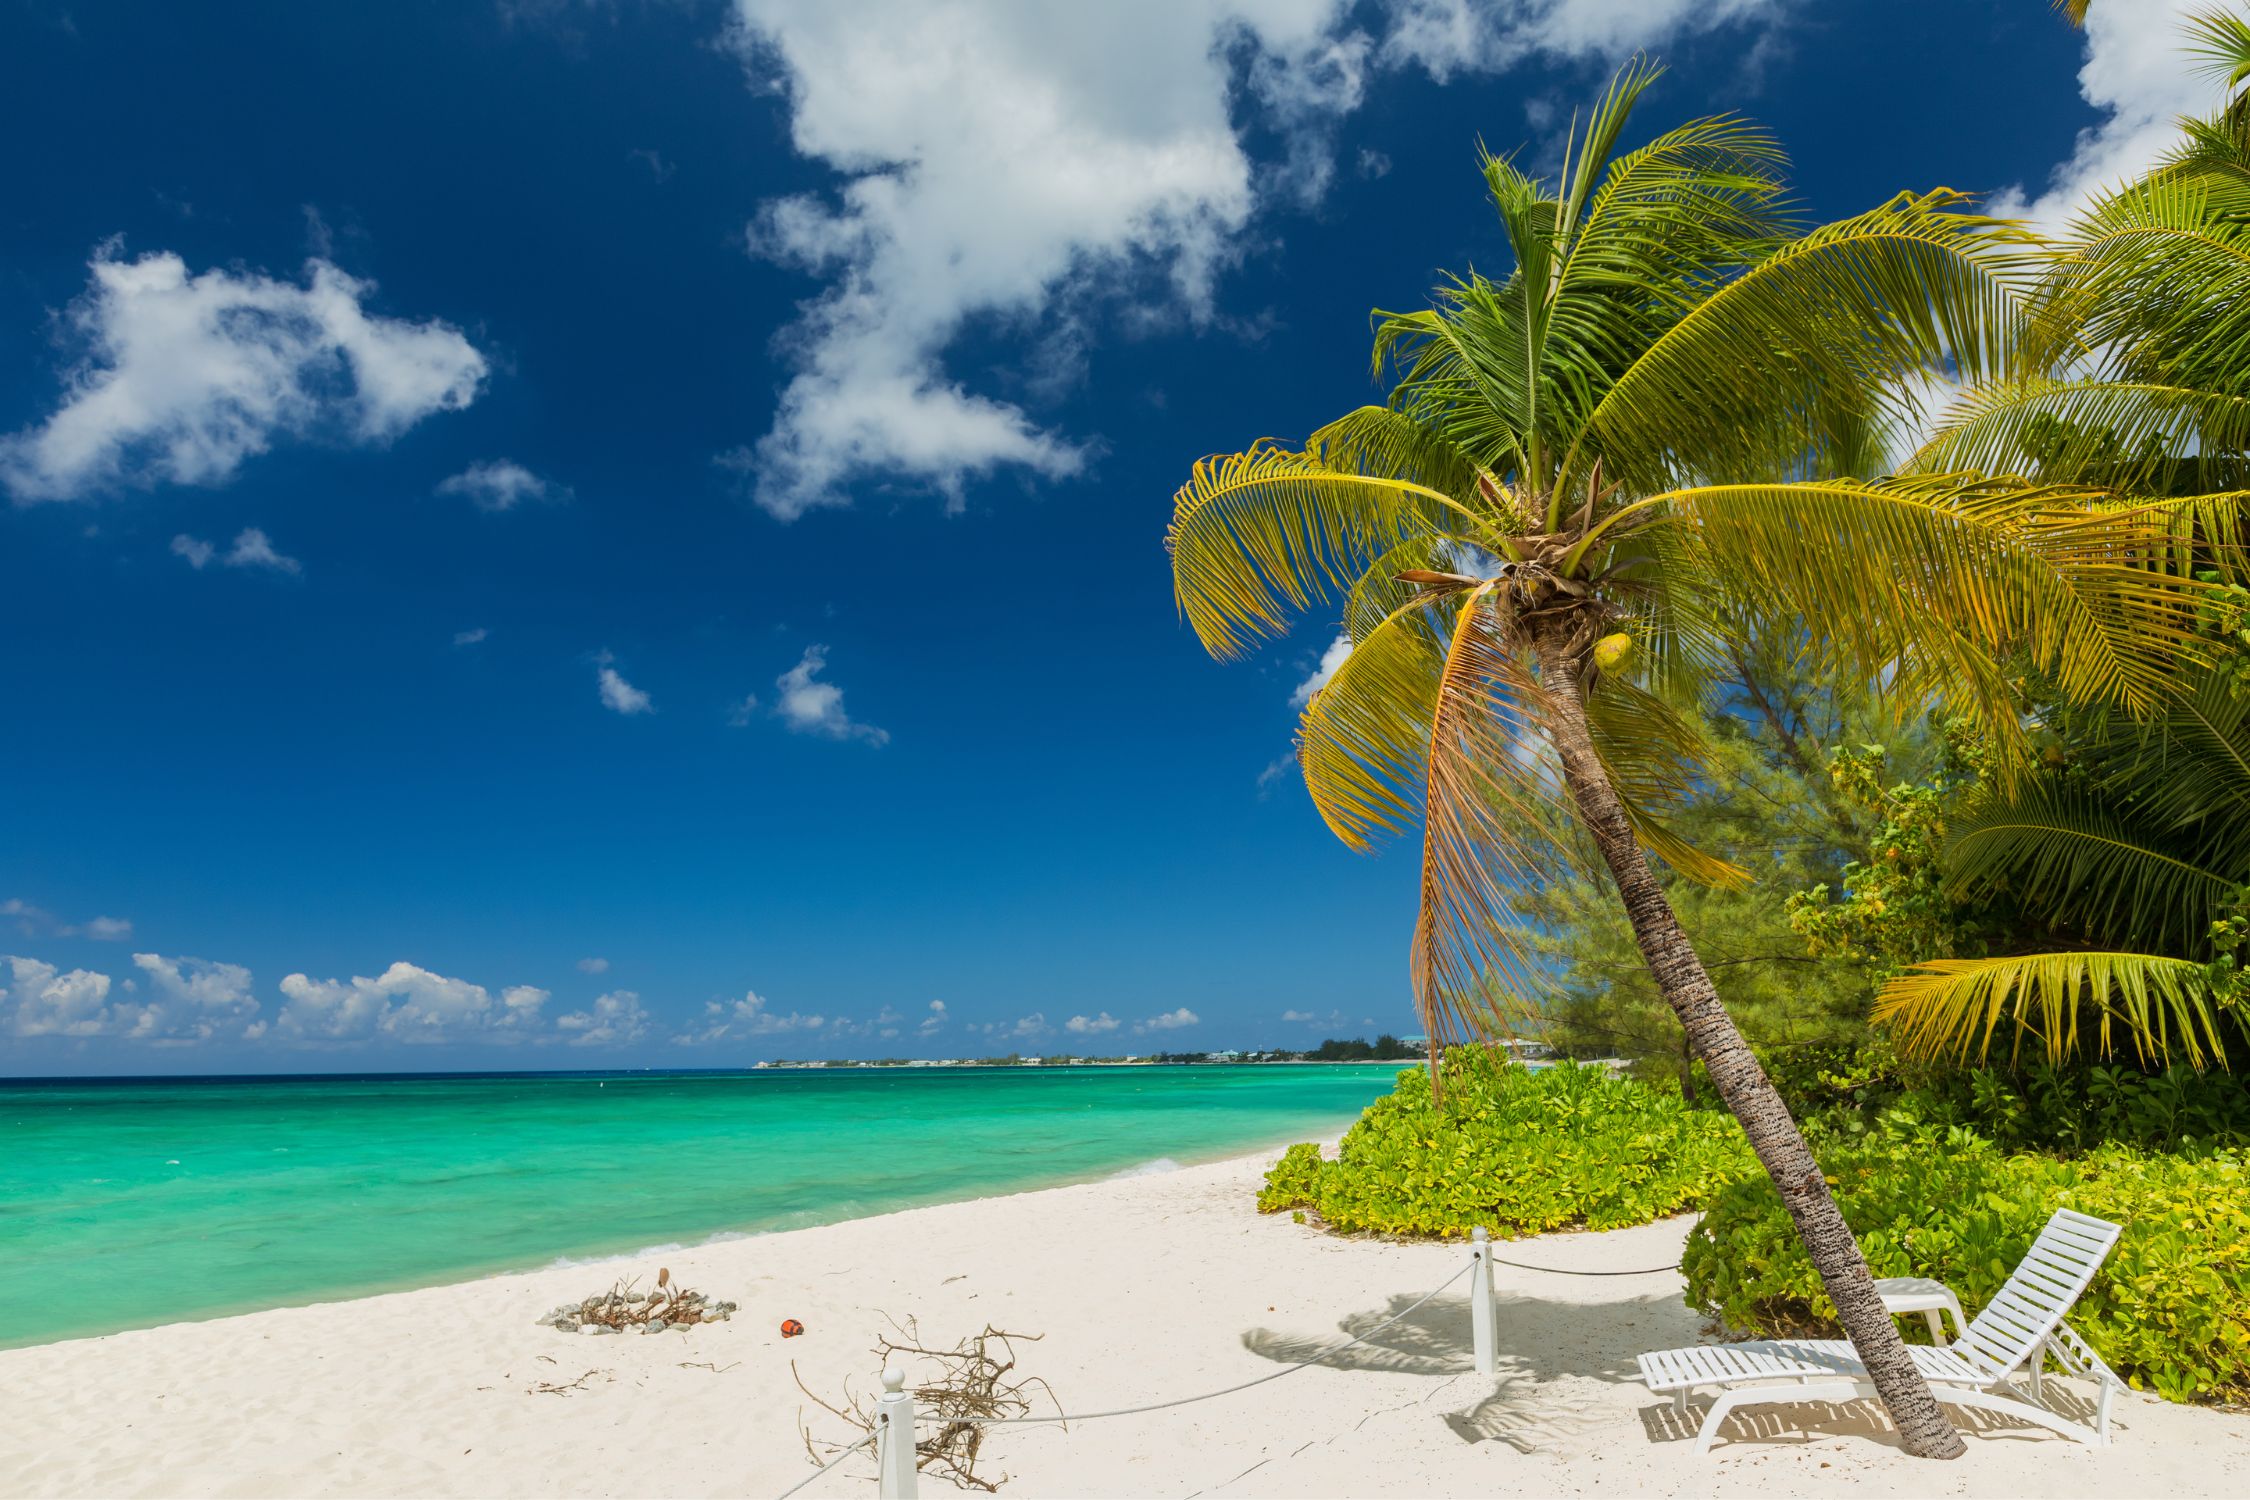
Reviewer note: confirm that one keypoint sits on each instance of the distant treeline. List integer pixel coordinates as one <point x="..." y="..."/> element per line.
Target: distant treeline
<point x="1385" y="1048"/>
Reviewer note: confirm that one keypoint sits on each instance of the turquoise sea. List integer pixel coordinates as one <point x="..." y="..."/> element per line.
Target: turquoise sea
<point x="155" y="1200"/>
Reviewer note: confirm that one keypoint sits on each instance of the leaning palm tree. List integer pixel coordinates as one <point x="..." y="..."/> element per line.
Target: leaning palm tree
<point x="1580" y="472"/>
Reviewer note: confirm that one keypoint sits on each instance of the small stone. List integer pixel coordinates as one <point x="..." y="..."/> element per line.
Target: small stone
<point x="657" y="1326"/>
<point x="566" y="1325"/>
<point x="599" y="1328"/>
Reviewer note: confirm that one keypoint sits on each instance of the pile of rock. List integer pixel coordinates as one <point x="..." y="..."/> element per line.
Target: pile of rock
<point x="623" y="1309"/>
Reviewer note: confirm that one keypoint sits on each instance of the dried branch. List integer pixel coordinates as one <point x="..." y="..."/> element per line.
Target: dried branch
<point x="970" y="1389"/>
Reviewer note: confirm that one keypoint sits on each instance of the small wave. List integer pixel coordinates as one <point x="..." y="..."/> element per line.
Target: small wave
<point x="669" y="1247"/>
<point x="1156" y="1168"/>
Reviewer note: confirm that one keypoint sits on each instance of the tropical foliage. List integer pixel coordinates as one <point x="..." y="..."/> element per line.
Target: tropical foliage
<point x="1518" y="1150"/>
<point x="2170" y="1311"/>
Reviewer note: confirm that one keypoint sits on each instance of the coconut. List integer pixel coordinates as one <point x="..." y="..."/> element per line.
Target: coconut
<point x="1612" y="652"/>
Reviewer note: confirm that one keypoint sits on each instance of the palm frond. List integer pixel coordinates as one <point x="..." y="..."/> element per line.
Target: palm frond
<point x="1953" y="1008"/>
<point x="2078" y="862"/>
<point x="1652" y="754"/>
<point x="1939" y="579"/>
<point x="2123" y="435"/>
<point x="1775" y="369"/>
<point x="1259" y="535"/>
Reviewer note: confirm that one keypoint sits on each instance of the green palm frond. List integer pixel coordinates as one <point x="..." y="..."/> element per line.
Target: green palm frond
<point x="1259" y="535"/>
<point x="1654" y="754"/>
<point x="2124" y="435"/>
<point x="1797" y="347"/>
<point x="1941" y="579"/>
<point x="2079" y="863"/>
<point x="1954" y="1008"/>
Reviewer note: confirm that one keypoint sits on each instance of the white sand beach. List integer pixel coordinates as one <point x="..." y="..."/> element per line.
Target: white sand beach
<point x="1145" y="1288"/>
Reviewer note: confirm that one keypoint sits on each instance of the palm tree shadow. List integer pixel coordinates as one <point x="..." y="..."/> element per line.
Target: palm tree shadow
<point x="1538" y="1343"/>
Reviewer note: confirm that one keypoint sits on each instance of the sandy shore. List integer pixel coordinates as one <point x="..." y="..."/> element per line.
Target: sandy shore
<point x="1145" y="1288"/>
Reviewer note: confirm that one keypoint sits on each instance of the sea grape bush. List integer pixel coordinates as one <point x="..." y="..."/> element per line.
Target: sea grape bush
<point x="2170" y="1310"/>
<point x="1518" y="1150"/>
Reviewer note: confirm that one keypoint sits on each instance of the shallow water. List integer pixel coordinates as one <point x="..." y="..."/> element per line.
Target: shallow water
<point x="126" y="1203"/>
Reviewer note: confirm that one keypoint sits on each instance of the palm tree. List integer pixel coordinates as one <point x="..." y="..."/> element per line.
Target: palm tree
<point x="2134" y="849"/>
<point x="1533" y="558"/>
<point x="2135" y="376"/>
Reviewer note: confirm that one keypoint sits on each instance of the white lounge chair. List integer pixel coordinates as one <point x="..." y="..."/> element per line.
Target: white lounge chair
<point x="2021" y="1326"/>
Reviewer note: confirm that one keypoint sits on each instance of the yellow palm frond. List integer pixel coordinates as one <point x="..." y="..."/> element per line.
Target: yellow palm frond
<point x="1652" y="753"/>
<point x="1952" y="1008"/>
<point x="1259" y="535"/>
<point x="1937" y="582"/>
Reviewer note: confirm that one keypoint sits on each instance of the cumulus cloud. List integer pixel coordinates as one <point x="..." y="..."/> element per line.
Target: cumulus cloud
<point x="935" y="1019"/>
<point x="501" y="484"/>
<point x="470" y="637"/>
<point x="1171" y="1020"/>
<point x="2136" y="74"/>
<point x="1023" y="1029"/>
<point x="107" y="929"/>
<point x="593" y="966"/>
<point x="613" y="1019"/>
<point x="618" y="695"/>
<point x="194" y="999"/>
<point x="252" y="549"/>
<point x="405" y="1003"/>
<point x="1012" y="165"/>
<point x="1087" y="1025"/>
<point x="39" y="1000"/>
<point x="811" y="707"/>
<point x="1308" y="1018"/>
<point x="728" y="1020"/>
<point x="183" y="378"/>
<point x="1330" y="661"/>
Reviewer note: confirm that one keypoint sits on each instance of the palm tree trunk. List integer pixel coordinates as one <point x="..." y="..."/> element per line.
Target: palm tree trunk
<point x="1735" y="1074"/>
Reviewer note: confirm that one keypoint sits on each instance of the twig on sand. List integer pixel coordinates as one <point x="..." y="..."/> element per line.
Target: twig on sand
<point x="550" y="1388"/>
<point x="971" y="1387"/>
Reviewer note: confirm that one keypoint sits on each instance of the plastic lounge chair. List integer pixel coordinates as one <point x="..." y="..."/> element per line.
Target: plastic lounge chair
<point x="2015" y="1333"/>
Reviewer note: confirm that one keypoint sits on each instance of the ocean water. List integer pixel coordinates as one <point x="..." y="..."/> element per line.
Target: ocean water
<point x="154" y="1201"/>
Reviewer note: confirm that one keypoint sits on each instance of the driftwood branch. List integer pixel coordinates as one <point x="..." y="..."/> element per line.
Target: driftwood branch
<point x="971" y="1387"/>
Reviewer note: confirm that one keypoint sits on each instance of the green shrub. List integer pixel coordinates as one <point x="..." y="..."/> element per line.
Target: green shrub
<point x="1516" y="1149"/>
<point x="2169" y="1311"/>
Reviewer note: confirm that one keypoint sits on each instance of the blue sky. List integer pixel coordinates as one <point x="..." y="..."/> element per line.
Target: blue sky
<point x="564" y="534"/>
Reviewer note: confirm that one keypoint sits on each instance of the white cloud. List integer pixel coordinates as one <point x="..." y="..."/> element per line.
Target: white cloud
<point x="726" y="1020"/>
<point x="1307" y="1018"/>
<point x="935" y="1019"/>
<point x="38" y="1000"/>
<point x="740" y="714"/>
<point x="1085" y="1025"/>
<point x="613" y="1019"/>
<point x="1373" y="163"/>
<point x="810" y="707"/>
<point x="1331" y="660"/>
<point x="1171" y="1020"/>
<point x="618" y="695"/>
<point x="195" y="999"/>
<point x="470" y="637"/>
<point x="1023" y="1029"/>
<point x="500" y="484"/>
<point x="593" y="966"/>
<point x="36" y="921"/>
<point x="1011" y="166"/>
<point x="2136" y="74"/>
<point x="181" y="379"/>
<point x="405" y="1003"/>
<point x="252" y="549"/>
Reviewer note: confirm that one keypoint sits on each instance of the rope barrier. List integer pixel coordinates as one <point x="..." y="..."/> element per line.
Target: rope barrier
<point x="1559" y="1271"/>
<point x="824" y="1468"/>
<point x="1128" y="1411"/>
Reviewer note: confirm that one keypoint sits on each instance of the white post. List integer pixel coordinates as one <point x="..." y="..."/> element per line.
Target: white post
<point x="894" y="1437"/>
<point x="1480" y="1300"/>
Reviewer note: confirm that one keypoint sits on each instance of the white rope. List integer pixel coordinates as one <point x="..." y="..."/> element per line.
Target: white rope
<point x="824" y="1468"/>
<point x="1129" y="1411"/>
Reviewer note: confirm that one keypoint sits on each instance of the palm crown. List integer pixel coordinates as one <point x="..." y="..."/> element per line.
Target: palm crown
<point x="1637" y="439"/>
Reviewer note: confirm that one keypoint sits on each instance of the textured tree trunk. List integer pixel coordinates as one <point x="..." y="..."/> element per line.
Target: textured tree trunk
<point x="1735" y="1074"/>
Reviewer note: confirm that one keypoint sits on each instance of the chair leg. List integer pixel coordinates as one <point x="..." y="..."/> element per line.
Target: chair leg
<point x="1679" y="1402"/>
<point x="1937" y="1329"/>
<point x="2038" y="1369"/>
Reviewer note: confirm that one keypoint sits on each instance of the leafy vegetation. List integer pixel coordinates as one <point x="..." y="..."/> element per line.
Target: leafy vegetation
<point x="1519" y="1150"/>
<point x="2170" y="1311"/>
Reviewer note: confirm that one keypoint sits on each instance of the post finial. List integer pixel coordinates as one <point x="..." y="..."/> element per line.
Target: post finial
<point x="1480" y="1234"/>
<point x="894" y="1379"/>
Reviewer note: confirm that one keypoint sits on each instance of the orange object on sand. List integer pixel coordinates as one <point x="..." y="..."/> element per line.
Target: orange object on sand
<point x="790" y="1328"/>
